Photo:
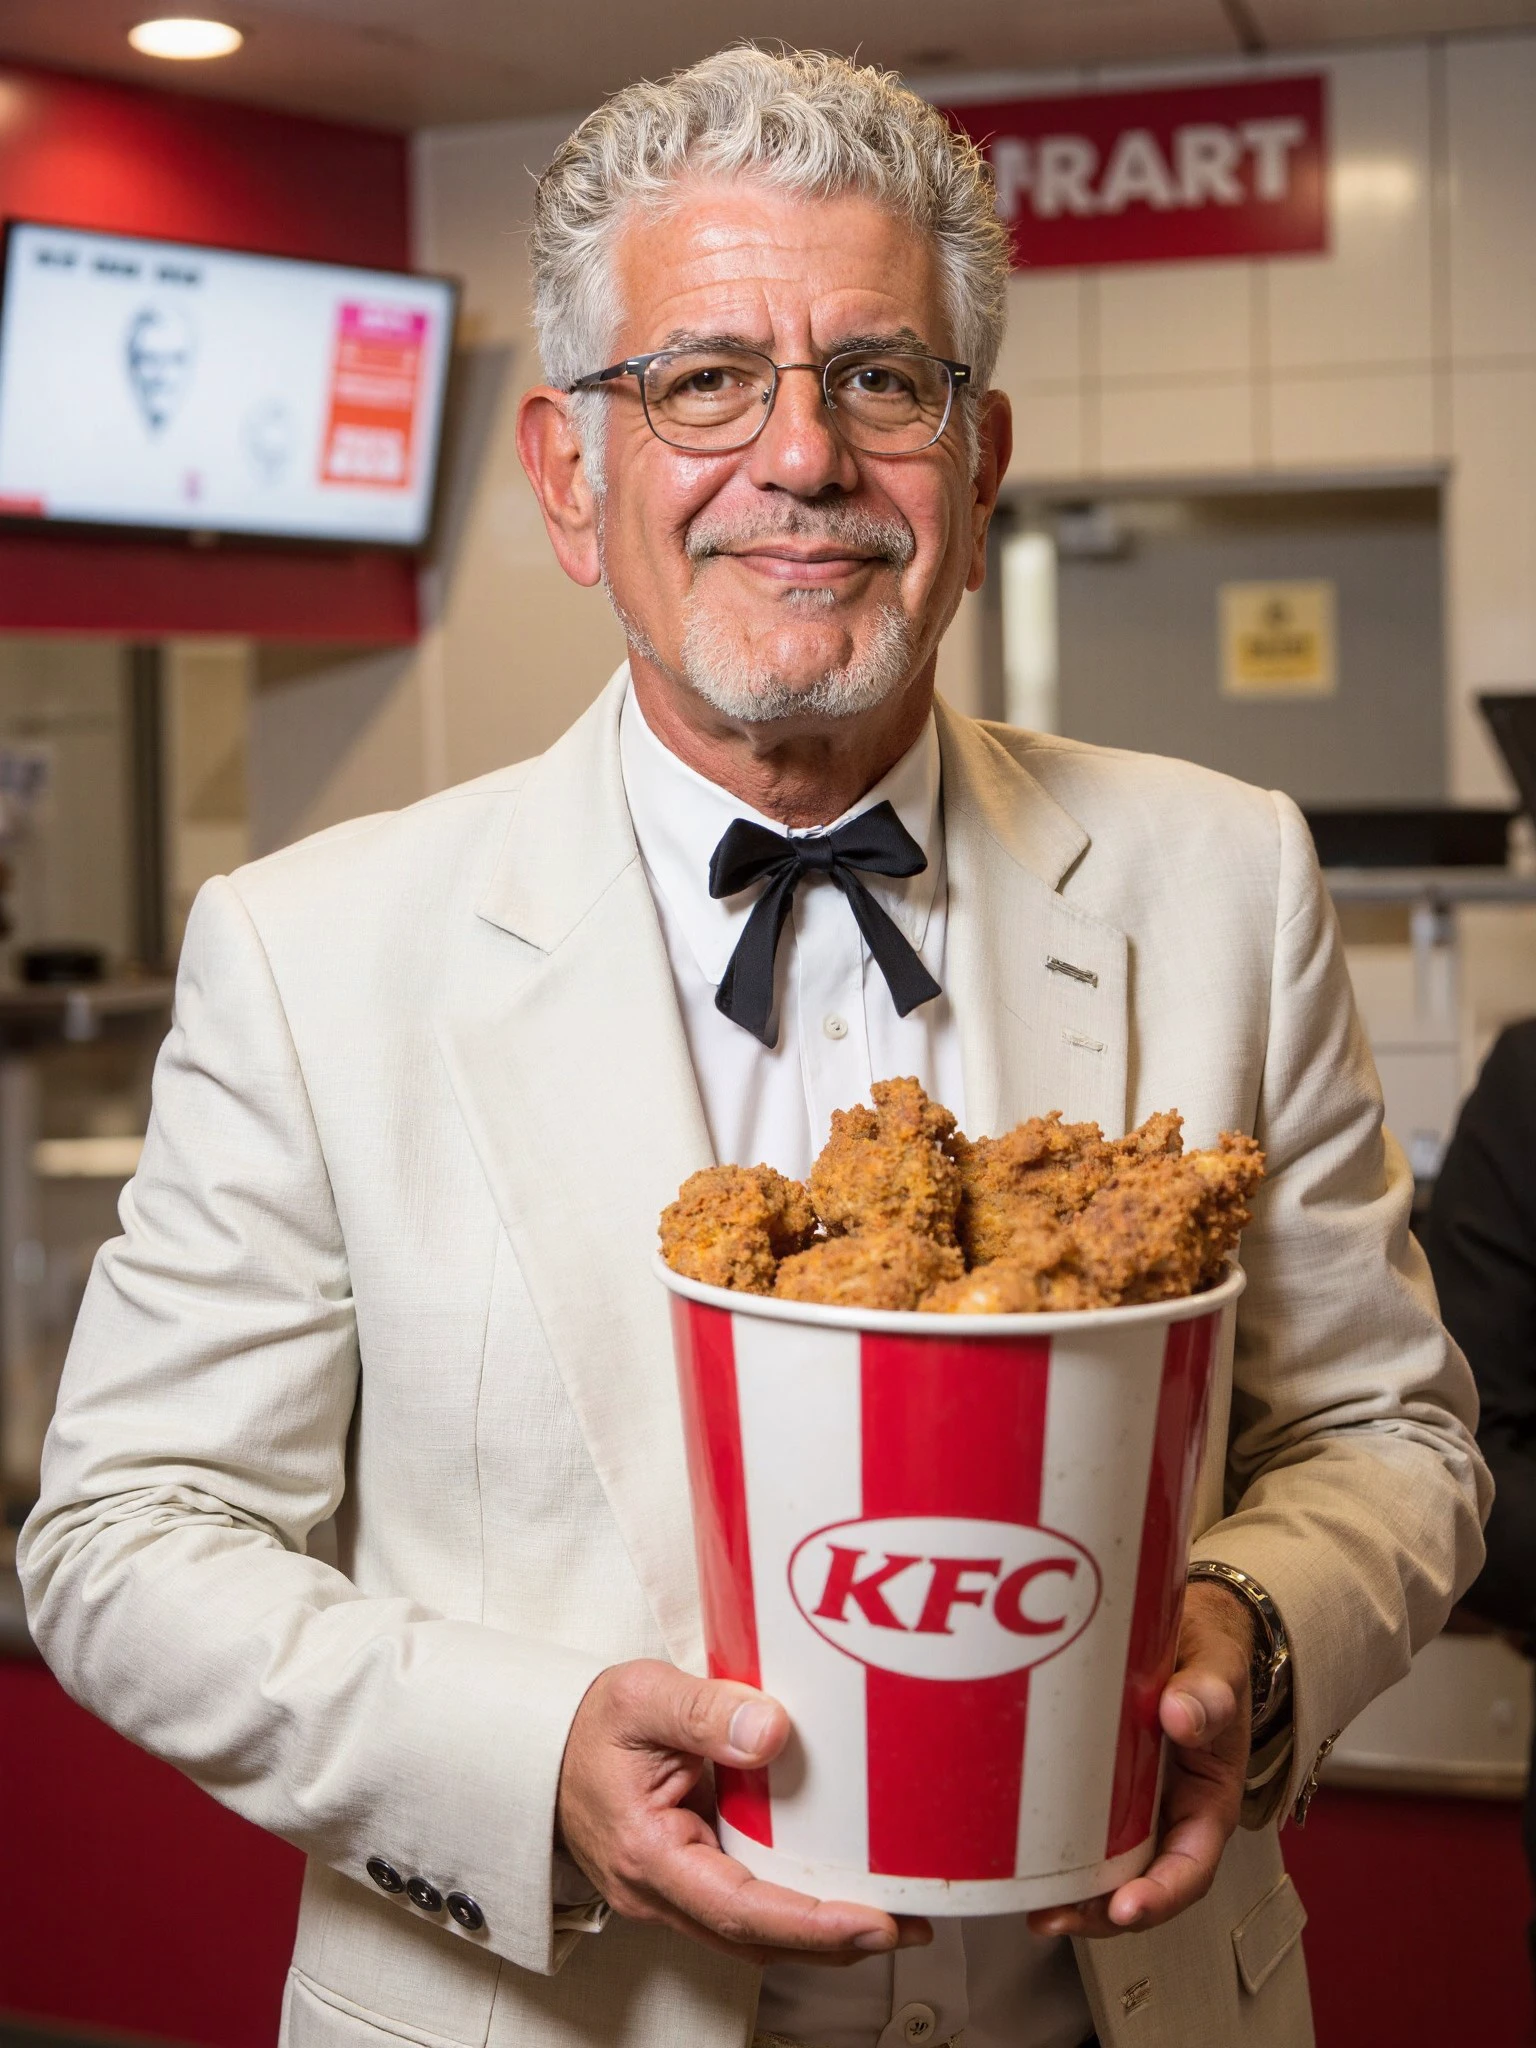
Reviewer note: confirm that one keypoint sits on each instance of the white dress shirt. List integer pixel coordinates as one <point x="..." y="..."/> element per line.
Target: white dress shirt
<point x="838" y="1033"/>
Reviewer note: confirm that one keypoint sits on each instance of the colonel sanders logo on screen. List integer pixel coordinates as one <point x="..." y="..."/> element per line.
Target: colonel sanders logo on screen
<point x="161" y="351"/>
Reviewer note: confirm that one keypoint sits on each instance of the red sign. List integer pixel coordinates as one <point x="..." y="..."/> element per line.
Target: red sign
<point x="1162" y="176"/>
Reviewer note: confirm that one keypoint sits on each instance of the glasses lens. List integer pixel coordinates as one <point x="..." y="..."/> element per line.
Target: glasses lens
<point x="892" y="403"/>
<point x="707" y="398"/>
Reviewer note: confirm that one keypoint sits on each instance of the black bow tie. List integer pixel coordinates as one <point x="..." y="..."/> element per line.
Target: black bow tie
<point x="876" y="841"/>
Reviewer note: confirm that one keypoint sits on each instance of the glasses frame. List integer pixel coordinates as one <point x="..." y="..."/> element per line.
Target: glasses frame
<point x="959" y="375"/>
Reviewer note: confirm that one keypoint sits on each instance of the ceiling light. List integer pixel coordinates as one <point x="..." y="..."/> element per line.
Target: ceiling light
<point x="185" y="38"/>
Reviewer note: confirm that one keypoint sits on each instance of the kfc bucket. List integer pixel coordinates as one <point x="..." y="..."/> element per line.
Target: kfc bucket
<point x="954" y="1548"/>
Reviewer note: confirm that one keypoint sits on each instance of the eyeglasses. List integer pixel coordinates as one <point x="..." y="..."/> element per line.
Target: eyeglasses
<point x="714" y="400"/>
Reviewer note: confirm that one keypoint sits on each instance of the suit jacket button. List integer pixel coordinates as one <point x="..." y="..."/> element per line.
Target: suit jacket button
<point x="384" y="1875"/>
<point x="424" y="1894"/>
<point x="466" y="1911"/>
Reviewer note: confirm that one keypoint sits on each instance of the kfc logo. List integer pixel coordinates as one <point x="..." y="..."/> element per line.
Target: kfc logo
<point x="940" y="1596"/>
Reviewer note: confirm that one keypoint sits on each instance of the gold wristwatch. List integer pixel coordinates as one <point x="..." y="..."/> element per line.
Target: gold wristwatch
<point x="1269" y="1675"/>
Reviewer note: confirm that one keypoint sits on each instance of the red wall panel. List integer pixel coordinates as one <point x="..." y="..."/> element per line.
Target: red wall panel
<point x="92" y="154"/>
<point x="129" y="1900"/>
<point x="1416" y="1917"/>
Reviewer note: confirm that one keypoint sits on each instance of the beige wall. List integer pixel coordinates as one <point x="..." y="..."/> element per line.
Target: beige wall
<point x="1411" y="348"/>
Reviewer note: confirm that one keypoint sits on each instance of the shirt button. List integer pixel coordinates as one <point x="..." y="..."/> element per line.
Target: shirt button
<point x="918" y="2023"/>
<point x="835" y="1026"/>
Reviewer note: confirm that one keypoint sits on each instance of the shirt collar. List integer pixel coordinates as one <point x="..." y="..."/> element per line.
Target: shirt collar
<point x="680" y="817"/>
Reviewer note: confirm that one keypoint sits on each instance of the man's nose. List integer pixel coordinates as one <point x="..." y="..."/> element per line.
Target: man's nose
<point x="800" y="449"/>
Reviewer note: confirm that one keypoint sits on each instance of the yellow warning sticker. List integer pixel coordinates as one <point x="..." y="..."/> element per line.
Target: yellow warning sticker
<point x="1278" y="639"/>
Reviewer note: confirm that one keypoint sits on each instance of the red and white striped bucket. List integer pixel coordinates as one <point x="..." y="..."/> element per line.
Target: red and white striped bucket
<point x="954" y="1548"/>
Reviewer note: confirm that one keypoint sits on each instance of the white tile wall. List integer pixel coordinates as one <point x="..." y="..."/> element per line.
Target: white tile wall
<point x="1044" y="342"/>
<point x="1334" y="422"/>
<point x="1491" y="132"/>
<point x="1049" y="433"/>
<point x="1158" y="430"/>
<point x="1175" y="320"/>
<point x="1369" y="299"/>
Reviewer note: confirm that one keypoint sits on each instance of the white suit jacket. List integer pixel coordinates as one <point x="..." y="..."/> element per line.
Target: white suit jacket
<point x="387" y="1258"/>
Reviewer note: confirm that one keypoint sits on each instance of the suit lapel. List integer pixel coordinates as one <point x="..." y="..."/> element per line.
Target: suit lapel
<point x="574" y="1077"/>
<point x="1039" y="988"/>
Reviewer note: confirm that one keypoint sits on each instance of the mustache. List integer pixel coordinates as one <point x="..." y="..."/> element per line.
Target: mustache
<point x="843" y="526"/>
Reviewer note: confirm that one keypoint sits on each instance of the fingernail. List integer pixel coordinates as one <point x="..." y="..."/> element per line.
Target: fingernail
<point x="876" y="1938"/>
<point x="1196" y="1710"/>
<point x="1125" y="1916"/>
<point x="750" y="1727"/>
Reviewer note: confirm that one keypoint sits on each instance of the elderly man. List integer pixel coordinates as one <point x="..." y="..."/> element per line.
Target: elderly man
<point x="432" y="1077"/>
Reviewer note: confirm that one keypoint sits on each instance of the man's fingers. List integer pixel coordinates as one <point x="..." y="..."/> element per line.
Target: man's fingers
<point x="1181" y="1874"/>
<point x="1200" y="1808"/>
<point x="701" y="1881"/>
<point x="663" y="1708"/>
<point x="1196" y="1708"/>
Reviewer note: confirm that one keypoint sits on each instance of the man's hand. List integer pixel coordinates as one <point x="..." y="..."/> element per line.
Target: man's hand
<point x="1204" y="1711"/>
<point x="632" y="1813"/>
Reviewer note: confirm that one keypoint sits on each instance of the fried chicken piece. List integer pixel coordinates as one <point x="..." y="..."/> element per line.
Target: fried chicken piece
<point x="1038" y="1272"/>
<point x="730" y="1226"/>
<point x="890" y="1268"/>
<point x="890" y="1165"/>
<point x="1163" y="1227"/>
<point x="1046" y="1168"/>
<point x="1232" y="1172"/>
<point x="1041" y="1170"/>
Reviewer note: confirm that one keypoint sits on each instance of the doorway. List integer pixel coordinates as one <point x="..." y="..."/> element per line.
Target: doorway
<point x="1124" y="619"/>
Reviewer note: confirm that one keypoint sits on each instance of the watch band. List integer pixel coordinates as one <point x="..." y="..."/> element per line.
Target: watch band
<point x="1269" y="1674"/>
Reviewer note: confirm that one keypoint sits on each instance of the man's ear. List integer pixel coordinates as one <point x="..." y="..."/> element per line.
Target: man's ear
<point x="994" y="428"/>
<point x="549" y="448"/>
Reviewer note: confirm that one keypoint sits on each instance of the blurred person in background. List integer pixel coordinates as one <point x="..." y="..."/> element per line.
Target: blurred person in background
<point x="1480" y="1236"/>
<point x="433" y="1076"/>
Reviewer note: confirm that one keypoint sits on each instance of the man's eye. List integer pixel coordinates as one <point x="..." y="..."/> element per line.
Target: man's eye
<point x="879" y="380"/>
<point x="713" y="382"/>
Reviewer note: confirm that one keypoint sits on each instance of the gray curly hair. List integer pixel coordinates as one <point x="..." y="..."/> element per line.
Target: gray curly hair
<point x="800" y="120"/>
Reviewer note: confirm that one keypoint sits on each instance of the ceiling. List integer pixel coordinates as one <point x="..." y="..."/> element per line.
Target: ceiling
<point x="403" y="64"/>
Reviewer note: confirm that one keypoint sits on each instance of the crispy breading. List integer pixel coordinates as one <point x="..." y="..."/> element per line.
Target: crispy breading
<point x="890" y="1268"/>
<point x="1164" y="1227"/>
<point x="1040" y="1170"/>
<point x="1038" y="1272"/>
<point x="890" y="1165"/>
<point x="1160" y="1137"/>
<point x="730" y="1226"/>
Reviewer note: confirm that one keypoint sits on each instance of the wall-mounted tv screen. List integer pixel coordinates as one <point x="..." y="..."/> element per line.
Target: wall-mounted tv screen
<point x="157" y="384"/>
